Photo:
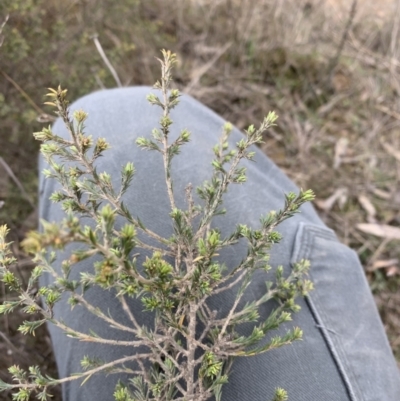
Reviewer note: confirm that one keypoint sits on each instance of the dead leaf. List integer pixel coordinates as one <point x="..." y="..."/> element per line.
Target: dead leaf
<point x="392" y="271"/>
<point x="389" y="112"/>
<point x="381" y="194"/>
<point x="391" y="150"/>
<point x="327" y="107"/>
<point x="380" y="264"/>
<point x="342" y="199"/>
<point x="340" y="151"/>
<point x="380" y="230"/>
<point x="367" y="205"/>
<point x="340" y="196"/>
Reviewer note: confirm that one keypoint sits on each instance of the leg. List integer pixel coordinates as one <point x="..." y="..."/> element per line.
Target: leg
<point x="344" y="355"/>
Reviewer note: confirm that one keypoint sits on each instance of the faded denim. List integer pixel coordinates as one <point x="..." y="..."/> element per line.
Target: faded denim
<point x="344" y="356"/>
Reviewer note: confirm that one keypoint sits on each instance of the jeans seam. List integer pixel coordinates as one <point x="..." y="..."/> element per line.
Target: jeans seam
<point x="308" y="235"/>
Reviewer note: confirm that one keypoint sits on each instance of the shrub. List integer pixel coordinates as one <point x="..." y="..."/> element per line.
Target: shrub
<point x="177" y="294"/>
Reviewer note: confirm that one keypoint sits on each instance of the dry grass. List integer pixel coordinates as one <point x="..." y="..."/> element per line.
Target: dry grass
<point x="339" y="126"/>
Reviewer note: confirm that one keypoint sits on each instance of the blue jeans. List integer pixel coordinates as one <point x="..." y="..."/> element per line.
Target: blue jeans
<point x="344" y="354"/>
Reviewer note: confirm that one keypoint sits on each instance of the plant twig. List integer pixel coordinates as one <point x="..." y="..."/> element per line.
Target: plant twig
<point x="17" y="182"/>
<point x="106" y="60"/>
<point x="335" y="60"/>
<point x="43" y="116"/>
<point x="197" y="73"/>
<point x="3" y="24"/>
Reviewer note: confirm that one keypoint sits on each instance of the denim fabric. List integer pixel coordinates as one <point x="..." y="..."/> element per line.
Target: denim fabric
<point x="344" y="356"/>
